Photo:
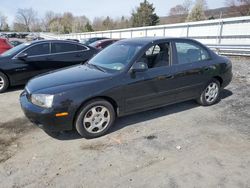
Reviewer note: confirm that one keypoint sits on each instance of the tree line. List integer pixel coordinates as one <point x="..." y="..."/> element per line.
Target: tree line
<point x="26" y="20"/>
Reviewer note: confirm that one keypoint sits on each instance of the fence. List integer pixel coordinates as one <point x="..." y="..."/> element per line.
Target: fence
<point x="224" y="35"/>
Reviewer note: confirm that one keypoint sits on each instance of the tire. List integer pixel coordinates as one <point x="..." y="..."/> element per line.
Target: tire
<point x="4" y="82"/>
<point x="211" y="94"/>
<point x="95" y="118"/>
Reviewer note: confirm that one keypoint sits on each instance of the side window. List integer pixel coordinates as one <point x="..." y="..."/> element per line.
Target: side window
<point x="157" y="55"/>
<point x="80" y="47"/>
<point x="190" y="52"/>
<point x="153" y="50"/>
<point x="39" y="49"/>
<point x="63" y="47"/>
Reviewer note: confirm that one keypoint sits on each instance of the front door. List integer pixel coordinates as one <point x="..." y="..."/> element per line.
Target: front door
<point x="155" y="86"/>
<point x="33" y="64"/>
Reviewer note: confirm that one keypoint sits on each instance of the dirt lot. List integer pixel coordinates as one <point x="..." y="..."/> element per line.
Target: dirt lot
<point x="182" y="145"/>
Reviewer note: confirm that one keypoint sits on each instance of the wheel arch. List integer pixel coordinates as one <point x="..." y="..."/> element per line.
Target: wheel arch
<point x="109" y="99"/>
<point x="6" y="76"/>
<point x="219" y="79"/>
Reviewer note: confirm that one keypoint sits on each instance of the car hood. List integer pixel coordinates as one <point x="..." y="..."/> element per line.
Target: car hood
<point x="63" y="77"/>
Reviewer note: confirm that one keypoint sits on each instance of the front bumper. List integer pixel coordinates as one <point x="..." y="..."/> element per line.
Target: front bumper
<point x="44" y="118"/>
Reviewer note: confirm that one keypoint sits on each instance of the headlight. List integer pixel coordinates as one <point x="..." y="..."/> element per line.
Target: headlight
<point x="42" y="100"/>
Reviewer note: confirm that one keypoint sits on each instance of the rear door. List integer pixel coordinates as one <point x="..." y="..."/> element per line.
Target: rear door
<point x="191" y="67"/>
<point x="65" y="54"/>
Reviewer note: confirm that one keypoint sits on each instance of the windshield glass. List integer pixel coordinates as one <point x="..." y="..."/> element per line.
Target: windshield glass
<point x="13" y="51"/>
<point x="93" y="44"/>
<point x="116" y="57"/>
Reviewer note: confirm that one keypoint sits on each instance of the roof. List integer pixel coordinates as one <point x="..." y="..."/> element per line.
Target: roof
<point x="147" y="40"/>
<point x="66" y="41"/>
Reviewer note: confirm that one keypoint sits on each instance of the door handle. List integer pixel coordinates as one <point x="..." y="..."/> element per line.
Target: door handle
<point x="209" y="68"/>
<point x="170" y="77"/>
<point x="165" y="77"/>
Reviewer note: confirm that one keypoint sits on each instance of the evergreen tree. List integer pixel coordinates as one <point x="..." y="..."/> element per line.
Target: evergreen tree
<point x="88" y="27"/>
<point x="144" y="15"/>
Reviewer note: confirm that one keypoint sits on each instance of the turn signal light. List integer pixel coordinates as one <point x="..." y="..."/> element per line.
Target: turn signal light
<point x="62" y="114"/>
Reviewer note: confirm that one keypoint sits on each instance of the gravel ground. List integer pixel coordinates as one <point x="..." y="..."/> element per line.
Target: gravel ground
<point x="182" y="145"/>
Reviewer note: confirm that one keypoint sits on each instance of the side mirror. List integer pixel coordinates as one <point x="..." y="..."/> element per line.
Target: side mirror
<point x="22" y="56"/>
<point x="139" y="67"/>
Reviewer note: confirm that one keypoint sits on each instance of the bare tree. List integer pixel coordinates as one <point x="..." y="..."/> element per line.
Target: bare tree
<point x="48" y="19"/>
<point x="181" y="8"/>
<point x="123" y="22"/>
<point x="3" y="21"/>
<point x="198" y="11"/>
<point x="178" y="10"/>
<point x="79" y="24"/>
<point x="98" y="24"/>
<point x="25" y="18"/>
<point x="241" y="6"/>
<point x="56" y="25"/>
<point x="187" y="4"/>
<point x="67" y="22"/>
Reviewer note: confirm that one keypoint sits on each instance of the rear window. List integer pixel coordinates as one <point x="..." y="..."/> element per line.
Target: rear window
<point x="80" y="47"/>
<point x="189" y="52"/>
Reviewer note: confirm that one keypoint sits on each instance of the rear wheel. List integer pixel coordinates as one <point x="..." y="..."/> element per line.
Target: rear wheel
<point x="4" y="82"/>
<point x="210" y="94"/>
<point x="95" y="118"/>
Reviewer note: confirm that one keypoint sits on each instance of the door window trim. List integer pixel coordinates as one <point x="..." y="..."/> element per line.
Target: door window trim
<point x="191" y="42"/>
<point x="50" y="44"/>
<point x="171" y="48"/>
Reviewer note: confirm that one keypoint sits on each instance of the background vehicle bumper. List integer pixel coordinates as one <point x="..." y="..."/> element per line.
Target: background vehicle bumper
<point x="44" y="118"/>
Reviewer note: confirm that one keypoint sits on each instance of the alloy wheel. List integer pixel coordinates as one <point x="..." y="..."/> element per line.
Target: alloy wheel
<point x="1" y="83"/>
<point x="96" y="119"/>
<point x="211" y="92"/>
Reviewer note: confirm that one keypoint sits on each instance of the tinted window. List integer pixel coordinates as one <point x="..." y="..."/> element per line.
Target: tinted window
<point x="80" y="47"/>
<point x="107" y="43"/>
<point x="39" y="49"/>
<point x="190" y="52"/>
<point x="63" y="47"/>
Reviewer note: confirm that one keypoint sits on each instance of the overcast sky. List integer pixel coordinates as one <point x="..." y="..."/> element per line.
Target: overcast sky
<point x="90" y="8"/>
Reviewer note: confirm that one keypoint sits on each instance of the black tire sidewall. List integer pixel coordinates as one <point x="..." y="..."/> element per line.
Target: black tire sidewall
<point x="83" y="110"/>
<point x="202" y="100"/>
<point x="6" y="82"/>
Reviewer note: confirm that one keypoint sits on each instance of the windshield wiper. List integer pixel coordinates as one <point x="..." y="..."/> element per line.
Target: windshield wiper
<point x="97" y="67"/>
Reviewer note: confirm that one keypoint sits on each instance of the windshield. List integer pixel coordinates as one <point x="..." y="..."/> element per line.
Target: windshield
<point x="13" y="51"/>
<point x="116" y="57"/>
<point x="93" y="44"/>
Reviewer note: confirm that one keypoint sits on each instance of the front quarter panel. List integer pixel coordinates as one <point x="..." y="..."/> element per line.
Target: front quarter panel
<point x="70" y="100"/>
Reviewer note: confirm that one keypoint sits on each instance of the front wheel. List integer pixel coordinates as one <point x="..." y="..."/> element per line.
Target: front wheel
<point x="210" y="94"/>
<point x="95" y="118"/>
